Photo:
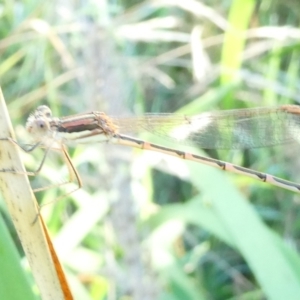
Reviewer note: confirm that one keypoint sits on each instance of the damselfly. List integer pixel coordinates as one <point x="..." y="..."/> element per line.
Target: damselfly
<point x="229" y="129"/>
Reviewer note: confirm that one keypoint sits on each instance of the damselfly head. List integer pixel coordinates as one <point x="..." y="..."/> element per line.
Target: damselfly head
<point x="38" y="123"/>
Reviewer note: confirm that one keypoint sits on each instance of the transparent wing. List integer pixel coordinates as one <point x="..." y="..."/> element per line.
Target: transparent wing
<point x="229" y="129"/>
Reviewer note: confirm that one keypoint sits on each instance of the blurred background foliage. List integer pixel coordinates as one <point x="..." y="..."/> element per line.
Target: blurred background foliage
<point x="147" y="226"/>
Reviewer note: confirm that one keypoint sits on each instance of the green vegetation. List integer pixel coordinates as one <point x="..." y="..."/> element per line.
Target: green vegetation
<point x="146" y="226"/>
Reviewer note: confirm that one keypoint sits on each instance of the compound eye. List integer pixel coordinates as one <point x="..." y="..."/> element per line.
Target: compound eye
<point x="48" y="113"/>
<point x="44" y="110"/>
<point x="39" y="126"/>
